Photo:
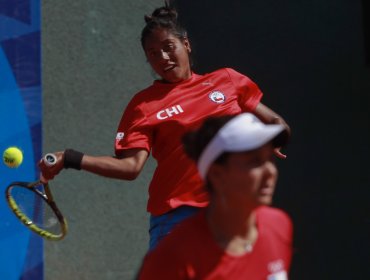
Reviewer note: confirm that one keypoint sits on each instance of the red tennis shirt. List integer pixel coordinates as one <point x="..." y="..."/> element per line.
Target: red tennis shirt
<point x="157" y="118"/>
<point x="190" y="252"/>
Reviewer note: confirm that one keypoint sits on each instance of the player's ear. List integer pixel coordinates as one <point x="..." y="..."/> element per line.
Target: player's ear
<point x="216" y="176"/>
<point x="187" y="45"/>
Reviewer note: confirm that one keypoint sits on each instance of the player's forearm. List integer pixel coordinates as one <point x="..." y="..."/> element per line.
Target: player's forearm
<point x="279" y="120"/>
<point x="125" y="169"/>
<point x="268" y="116"/>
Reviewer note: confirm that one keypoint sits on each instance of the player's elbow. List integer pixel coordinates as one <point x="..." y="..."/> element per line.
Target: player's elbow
<point x="131" y="176"/>
<point x="131" y="165"/>
<point x="132" y="171"/>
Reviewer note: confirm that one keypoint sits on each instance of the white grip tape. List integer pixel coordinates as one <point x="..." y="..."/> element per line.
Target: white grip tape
<point x="50" y="159"/>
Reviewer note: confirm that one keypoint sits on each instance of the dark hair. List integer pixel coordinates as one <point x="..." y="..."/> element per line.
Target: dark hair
<point x="163" y="17"/>
<point x="195" y="142"/>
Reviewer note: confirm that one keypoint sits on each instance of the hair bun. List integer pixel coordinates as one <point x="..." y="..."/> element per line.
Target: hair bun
<point x="163" y="13"/>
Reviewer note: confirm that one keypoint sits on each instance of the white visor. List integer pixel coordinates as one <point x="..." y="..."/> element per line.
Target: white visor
<point x="244" y="132"/>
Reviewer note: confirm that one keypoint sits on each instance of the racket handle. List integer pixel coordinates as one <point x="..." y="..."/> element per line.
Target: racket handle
<point x="50" y="159"/>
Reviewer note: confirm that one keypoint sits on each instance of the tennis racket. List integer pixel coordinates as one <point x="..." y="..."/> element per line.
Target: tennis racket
<point x="34" y="206"/>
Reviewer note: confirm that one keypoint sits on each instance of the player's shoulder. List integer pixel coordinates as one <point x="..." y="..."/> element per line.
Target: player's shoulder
<point x="226" y="71"/>
<point x="143" y="96"/>
<point x="143" y="93"/>
<point x="178" y="245"/>
<point x="272" y="212"/>
<point x="185" y="233"/>
<point x="273" y="215"/>
<point x="275" y="223"/>
<point x="227" y="74"/>
<point x="178" y="248"/>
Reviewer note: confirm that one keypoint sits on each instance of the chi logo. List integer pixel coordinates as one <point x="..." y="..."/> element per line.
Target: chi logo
<point x="169" y="112"/>
<point x="217" y="97"/>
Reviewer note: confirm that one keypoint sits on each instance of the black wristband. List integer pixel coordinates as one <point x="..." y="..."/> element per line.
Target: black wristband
<point x="72" y="159"/>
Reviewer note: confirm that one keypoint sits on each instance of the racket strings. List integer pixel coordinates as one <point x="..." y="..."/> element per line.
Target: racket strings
<point x="37" y="210"/>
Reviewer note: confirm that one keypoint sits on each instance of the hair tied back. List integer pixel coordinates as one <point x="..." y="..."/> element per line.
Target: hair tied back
<point x="162" y="14"/>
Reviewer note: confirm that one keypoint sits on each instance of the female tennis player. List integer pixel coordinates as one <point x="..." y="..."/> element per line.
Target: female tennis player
<point x="158" y="116"/>
<point x="238" y="236"/>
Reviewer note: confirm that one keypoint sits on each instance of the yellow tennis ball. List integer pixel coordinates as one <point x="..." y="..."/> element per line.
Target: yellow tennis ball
<point x="12" y="157"/>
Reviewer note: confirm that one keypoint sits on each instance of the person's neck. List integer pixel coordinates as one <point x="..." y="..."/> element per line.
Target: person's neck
<point x="234" y="230"/>
<point x="184" y="79"/>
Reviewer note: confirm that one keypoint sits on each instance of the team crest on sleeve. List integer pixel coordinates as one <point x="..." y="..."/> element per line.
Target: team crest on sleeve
<point x="217" y="97"/>
<point x="120" y="135"/>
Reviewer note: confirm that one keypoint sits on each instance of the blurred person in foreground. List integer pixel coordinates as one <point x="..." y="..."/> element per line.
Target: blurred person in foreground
<point x="238" y="235"/>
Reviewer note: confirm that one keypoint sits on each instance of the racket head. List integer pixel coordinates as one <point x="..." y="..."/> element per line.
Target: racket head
<point x="33" y="208"/>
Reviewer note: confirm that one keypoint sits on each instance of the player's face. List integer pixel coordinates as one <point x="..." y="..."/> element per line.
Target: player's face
<point x="249" y="178"/>
<point x="168" y="55"/>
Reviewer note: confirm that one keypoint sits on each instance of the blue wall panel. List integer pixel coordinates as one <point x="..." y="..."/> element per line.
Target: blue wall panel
<point x="21" y="253"/>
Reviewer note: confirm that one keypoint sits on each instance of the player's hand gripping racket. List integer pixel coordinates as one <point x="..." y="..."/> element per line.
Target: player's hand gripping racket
<point x="34" y="205"/>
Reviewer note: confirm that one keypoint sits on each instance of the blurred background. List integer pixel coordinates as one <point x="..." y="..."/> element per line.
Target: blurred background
<point x="310" y="58"/>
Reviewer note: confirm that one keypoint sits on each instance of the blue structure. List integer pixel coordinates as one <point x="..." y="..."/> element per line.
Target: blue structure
<point x="21" y="252"/>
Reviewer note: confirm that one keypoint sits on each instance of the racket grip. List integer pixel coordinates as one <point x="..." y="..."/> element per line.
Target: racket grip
<point x="50" y="159"/>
